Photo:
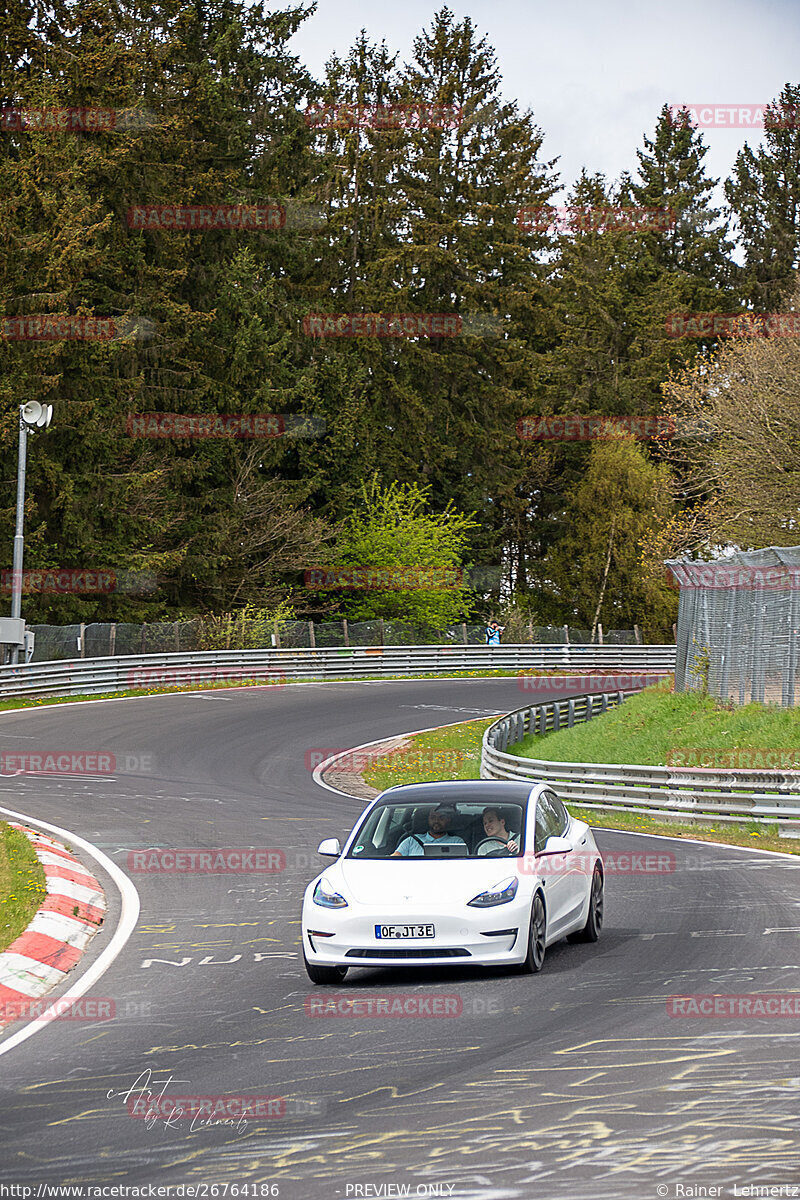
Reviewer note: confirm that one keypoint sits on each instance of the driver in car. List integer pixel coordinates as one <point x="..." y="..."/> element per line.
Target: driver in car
<point x="494" y="826"/>
<point x="439" y="820"/>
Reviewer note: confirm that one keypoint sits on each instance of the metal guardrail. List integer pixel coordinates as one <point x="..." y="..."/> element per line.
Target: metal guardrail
<point x="693" y="795"/>
<point x="94" y="676"/>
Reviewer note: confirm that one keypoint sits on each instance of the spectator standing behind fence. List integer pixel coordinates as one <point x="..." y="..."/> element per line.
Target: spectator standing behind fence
<point x="493" y="631"/>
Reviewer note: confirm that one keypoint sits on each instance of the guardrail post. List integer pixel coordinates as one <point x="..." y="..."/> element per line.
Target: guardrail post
<point x="570" y="713"/>
<point x="556" y="715"/>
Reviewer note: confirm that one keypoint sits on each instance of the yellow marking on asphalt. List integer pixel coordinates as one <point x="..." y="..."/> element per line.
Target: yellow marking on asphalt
<point x="232" y="925"/>
<point x="81" y="1116"/>
<point x="215" y="945"/>
<point x="393" y="1092"/>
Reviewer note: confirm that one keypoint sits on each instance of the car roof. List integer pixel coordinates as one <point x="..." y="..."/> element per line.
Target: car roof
<point x="468" y="791"/>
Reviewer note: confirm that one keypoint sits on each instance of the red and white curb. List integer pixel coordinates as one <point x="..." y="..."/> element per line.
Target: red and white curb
<point x="39" y="959"/>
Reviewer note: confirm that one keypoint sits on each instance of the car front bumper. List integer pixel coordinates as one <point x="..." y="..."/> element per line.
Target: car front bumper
<point x="482" y="937"/>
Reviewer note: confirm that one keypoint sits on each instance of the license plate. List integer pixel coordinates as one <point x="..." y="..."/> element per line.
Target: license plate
<point x="404" y="931"/>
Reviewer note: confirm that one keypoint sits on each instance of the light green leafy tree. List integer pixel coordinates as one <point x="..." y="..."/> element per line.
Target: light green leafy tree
<point x="394" y="534"/>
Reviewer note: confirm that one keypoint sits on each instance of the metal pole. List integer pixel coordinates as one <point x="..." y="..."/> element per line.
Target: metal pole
<point x="19" y="540"/>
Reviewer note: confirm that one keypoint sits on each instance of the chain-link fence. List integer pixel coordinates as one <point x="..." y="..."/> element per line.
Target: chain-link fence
<point x="739" y="625"/>
<point x="55" y="642"/>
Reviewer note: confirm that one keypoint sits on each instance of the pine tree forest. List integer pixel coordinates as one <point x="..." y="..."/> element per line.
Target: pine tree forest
<point x="283" y="321"/>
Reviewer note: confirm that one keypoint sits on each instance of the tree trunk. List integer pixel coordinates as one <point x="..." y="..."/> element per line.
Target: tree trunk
<point x="605" y="579"/>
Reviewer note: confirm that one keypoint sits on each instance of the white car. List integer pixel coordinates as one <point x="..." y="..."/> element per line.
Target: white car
<point x="429" y="876"/>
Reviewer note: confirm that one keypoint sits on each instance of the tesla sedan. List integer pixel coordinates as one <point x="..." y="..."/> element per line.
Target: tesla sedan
<point x="475" y="872"/>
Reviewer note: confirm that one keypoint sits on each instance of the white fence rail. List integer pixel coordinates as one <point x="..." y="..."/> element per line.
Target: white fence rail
<point x="93" y="676"/>
<point x="696" y="795"/>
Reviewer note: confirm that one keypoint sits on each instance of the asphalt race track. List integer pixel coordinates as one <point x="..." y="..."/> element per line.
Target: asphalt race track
<point x="575" y="1082"/>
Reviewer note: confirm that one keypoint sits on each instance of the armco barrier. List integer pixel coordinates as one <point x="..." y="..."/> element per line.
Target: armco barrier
<point x="693" y="795"/>
<point x="92" y="676"/>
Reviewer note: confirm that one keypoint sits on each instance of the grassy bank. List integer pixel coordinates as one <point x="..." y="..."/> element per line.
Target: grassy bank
<point x="22" y="884"/>
<point x="657" y="723"/>
<point x="454" y="753"/>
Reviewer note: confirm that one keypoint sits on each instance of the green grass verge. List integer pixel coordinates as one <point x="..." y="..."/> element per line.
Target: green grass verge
<point x="22" y="884"/>
<point x="454" y="752"/>
<point x="657" y="722"/>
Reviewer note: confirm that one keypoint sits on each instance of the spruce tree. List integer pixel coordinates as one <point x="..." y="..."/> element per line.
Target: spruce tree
<point x="764" y="193"/>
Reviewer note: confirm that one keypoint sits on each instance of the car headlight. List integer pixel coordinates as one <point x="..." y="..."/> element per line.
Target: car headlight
<point x="501" y="894"/>
<point x="326" y="897"/>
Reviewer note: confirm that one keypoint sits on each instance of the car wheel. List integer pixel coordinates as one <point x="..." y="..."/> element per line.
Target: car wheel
<point x="594" y="921"/>
<point x="327" y="975"/>
<point x="537" y="933"/>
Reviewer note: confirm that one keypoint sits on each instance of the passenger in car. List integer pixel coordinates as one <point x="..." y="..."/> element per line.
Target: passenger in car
<point x="494" y="826"/>
<point x="439" y="821"/>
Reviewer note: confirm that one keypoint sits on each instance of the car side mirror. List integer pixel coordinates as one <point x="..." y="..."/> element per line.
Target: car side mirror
<point x="330" y="848"/>
<point x="557" y="845"/>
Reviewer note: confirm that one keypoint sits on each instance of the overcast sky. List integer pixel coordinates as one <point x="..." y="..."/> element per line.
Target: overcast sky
<point x="595" y="73"/>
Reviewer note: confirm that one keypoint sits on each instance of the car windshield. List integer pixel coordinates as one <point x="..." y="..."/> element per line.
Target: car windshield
<point x="454" y="830"/>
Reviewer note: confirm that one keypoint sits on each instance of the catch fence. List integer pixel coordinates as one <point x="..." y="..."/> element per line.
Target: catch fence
<point x="109" y="640"/>
<point x="738" y="633"/>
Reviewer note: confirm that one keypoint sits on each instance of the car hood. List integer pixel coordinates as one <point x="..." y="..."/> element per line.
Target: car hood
<point x="408" y="882"/>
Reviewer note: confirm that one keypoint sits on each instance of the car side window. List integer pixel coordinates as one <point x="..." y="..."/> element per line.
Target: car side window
<point x="547" y="822"/>
<point x="560" y="811"/>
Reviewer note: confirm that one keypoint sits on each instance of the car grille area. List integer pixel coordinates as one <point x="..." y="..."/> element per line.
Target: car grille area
<point x="406" y="953"/>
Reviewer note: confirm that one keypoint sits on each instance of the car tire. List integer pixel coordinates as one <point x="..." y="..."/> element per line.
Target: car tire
<point x="537" y="935"/>
<point x="594" y="921"/>
<point x="325" y="975"/>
